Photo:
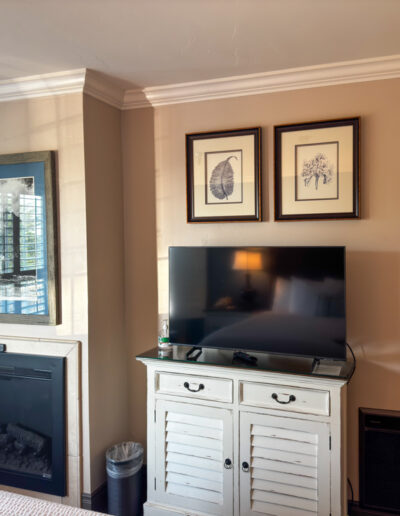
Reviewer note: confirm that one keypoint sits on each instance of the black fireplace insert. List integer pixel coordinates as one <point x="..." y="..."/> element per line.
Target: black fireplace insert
<point x="32" y="422"/>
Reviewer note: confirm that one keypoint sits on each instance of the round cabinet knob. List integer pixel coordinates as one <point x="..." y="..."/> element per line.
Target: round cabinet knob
<point x="228" y="464"/>
<point x="245" y="467"/>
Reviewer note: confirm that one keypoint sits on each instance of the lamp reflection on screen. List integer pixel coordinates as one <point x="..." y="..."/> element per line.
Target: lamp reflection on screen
<point x="248" y="261"/>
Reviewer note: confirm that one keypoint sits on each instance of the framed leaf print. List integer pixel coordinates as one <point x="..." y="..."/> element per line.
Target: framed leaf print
<point x="28" y="239"/>
<point x="317" y="170"/>
<point x="223" y="176"/>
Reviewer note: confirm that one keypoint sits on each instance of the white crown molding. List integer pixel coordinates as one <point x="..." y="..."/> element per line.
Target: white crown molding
<point x="112" y="93"/>
<point x="102" y="89"/>
<point x="268" y="82"/>
<point x="135" y="99"/>
<point x="59" y="83"/>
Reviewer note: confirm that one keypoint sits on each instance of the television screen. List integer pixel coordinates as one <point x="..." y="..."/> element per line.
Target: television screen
<point x="285" y="300"/>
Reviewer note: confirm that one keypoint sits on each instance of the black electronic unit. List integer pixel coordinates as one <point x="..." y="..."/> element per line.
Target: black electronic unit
<point x="32" y="423"/>
<point x="379" y="460"/>
<point x="282" y="300"/>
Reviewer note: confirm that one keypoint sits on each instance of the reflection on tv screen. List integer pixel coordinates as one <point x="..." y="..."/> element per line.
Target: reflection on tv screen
<point x="272" y="299"/>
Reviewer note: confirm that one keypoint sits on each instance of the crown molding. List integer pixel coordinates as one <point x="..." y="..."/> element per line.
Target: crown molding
<point x="113" y="93"/>
<point x="282" y="80"/>
<point x="101" y="88"/>
<point x="135" y="99"/>
<point x="59" y="83"/>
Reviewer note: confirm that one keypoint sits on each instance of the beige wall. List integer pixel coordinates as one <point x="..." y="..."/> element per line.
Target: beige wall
<point x="154" y="217"/>
<point x="86" y="134"/>
<point x="373" y="243"/>
<point x="140" y="255"/>
<point x="56" y="123"/>
<point x="108" y="368"/>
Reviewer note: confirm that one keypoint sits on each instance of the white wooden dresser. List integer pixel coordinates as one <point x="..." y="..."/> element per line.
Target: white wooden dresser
<point x="243" y="441"/>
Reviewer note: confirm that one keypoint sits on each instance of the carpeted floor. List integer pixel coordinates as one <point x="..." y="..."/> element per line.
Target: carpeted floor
<point x="12" y="504"/>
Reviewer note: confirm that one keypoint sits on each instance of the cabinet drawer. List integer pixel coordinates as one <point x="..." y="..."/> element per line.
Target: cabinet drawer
<point x="284" y="397"/>
<point x="201" y="387"/>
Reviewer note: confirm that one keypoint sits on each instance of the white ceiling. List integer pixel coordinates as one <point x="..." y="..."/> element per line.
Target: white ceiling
<point x="153" y="42"/>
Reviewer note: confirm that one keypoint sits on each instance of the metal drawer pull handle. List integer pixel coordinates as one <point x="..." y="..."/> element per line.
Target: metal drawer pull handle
<point x="245" y="467"/>
<point x="292" y="397"/>
<point x="228" y="464"/>
<point x="199" y="388"/>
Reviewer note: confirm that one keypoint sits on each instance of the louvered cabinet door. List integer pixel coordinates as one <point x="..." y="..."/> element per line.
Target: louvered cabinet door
<point x="192" y="445"/>
<point x="284" y="466"/>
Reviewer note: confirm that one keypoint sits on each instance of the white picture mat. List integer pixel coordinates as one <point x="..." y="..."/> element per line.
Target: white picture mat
<point x="344" y="204"/>
<point x="248" y="205"/>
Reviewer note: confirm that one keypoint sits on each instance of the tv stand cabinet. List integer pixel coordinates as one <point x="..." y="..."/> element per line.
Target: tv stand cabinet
<point x="244" y="442"/>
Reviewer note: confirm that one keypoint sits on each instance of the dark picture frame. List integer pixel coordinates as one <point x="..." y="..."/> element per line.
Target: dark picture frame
<point x="29" y="290"/>
<point x="223" y="176"/>
<point x="317" y="171"/>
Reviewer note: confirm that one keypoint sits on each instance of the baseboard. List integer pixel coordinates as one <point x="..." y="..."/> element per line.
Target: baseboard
<point x="96" y="501"/>
<point x="356" y="510"/>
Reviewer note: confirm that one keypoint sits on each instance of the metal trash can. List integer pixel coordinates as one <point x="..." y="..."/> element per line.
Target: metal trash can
<point x="124" y="479"/>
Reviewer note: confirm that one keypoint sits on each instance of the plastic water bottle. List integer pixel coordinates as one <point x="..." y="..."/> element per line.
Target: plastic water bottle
<point x="163" y="339"/>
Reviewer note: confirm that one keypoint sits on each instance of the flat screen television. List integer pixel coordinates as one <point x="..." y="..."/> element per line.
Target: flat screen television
<point x="284" y="300"/>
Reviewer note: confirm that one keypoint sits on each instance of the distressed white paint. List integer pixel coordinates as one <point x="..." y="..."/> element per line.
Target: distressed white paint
<point x="191" y="435"/>
<point x="281" y="481"/>
<point x="310" y="401"/>
<point x="189" y="458"/>
<point x="207" y="388"/>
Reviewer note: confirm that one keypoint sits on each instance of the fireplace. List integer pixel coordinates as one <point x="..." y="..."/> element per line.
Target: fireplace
<point x="32" y="422"/>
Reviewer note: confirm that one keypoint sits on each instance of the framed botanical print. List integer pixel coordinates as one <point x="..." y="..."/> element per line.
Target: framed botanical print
<point x="317" y="170"/>
<point x="223" y="176"/>
<point x="28" y="239"/>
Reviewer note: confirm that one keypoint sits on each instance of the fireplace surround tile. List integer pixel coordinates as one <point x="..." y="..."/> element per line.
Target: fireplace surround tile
<point x="73" y="440"/>
<point x="74" y="494"/>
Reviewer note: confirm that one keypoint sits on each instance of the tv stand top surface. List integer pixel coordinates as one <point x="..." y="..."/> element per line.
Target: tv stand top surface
<point x="324" y="368"/>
